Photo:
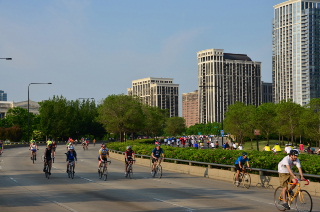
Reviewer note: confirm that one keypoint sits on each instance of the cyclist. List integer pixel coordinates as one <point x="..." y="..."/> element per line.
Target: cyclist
<point x="103" y="155"/>
<point x="267" y="148"/>
<point x="48" y="158"/>
<point x="71" y="157"/>
<point x="276" y="148"/>
<point x="128" y="156"/>
<point x="156" y="156"/>
<point x="54" y="147"/>
<point x="33" y="147"/>
<point x="286" y="174"/>
<point x="1" y="147"/>
<point x="240" y="162"/>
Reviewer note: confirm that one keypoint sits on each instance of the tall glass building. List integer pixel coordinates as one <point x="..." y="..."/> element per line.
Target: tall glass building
<point x="296" y="51"/>
<point x="3" y="96"/>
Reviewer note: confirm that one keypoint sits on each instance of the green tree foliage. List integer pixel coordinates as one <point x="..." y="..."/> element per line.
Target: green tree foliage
<point x="175" y="126"/>
<point x="238" y="121"/>
<point x="121" y="114"/>
<point x="155" y="119"/>
<point x="60" y="118"/>
<point x="265" y="119"/>
<point x="288" y="119"/>
<point x="205" y="129"/>
<point x="310" y="120"/>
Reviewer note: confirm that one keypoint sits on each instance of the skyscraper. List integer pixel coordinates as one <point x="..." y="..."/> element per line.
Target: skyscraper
<point x="225" y="79"/>
<point x="157" y="92"/>
<point x="190" y="108"/>
<point x="296" y="51"/>
<point x="3" y="96"/>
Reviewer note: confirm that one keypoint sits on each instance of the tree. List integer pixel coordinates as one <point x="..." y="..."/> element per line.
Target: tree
<point x="121" y="114"/>
<point x="175" y="126"/>
<point x="155" y="119"/>
<point x="310" y="120"/>
<point x="265" y="119"/>
<point x="238" y="120"/>
<point x="288" y="118"/>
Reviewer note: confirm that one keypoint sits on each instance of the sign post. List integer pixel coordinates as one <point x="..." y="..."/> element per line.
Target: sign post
<point x="257" y="133"/>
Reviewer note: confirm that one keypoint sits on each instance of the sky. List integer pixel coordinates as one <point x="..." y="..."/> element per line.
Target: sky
<point x="96" y="48"/>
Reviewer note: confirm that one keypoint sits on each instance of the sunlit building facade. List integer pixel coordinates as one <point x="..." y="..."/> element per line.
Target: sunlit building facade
<point x="296" y="51"/>
<point x="159" y="92"/>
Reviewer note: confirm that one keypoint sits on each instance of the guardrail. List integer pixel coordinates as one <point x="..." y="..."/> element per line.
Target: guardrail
<point x="262" y="172"/>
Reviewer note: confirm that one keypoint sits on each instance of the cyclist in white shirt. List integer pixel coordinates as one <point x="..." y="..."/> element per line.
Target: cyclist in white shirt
<point x="286" y="174"/>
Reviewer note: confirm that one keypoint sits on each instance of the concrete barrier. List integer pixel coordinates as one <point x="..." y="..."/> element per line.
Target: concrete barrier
<point x="257" y="180"/>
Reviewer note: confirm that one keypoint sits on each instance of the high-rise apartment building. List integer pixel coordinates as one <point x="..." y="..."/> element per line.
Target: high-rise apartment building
<point x="225" y="79"/>
<point x="3" y="96"/>
<point x="267" y="94"/>
<point x="190" y="108"/>
<point x="296" y="51"/>
<point x="159" y="92"/>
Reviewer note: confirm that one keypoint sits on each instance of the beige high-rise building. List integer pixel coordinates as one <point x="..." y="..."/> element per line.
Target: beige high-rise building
<point x="225" y="79"/>
<point x="159" y="92"/>
<point x="296" y="51"/>
<point x="190" y="108"/>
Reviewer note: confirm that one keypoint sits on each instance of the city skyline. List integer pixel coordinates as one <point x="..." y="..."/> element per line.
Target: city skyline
<point x="94" y="49"/>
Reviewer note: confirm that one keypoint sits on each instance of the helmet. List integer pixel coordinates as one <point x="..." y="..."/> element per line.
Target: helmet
<point x="244" y="154"/>
<point x="294" y="152"/>
<point x="71" y="148"/>
<point x="129" y="147"/>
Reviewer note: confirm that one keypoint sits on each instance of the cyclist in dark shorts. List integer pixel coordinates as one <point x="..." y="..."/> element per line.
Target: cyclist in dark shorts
<point x="240" y="162"/>
<point x="156" y="156"/>
<point x="48" y="158"/>
<point x="128" y="156"/>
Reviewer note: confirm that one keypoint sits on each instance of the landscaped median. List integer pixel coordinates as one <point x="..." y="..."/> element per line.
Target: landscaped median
<point x="258" y="180"/>
<point x="219" y="163"/>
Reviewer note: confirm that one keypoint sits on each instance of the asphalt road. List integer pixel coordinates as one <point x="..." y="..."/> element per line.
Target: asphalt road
<point x="23" y="187"/>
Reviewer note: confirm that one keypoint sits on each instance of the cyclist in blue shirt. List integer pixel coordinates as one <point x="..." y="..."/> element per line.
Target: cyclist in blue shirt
<point x="240" y="162"/>
<point x="71" y="157"/>
<point x="156" y="156"/>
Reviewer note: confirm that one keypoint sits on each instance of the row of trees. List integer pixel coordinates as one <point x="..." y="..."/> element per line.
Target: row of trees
<point x="286" y="120"/>
<point x="126" y="115"/>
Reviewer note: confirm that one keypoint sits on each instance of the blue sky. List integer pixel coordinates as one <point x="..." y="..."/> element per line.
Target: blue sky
<point x="95" y="48"/>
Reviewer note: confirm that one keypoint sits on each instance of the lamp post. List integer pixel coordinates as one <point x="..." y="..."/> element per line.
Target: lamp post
<point x="6" y="58"/>
<point x="33" y="83"/>
<point x="221" y="109"/>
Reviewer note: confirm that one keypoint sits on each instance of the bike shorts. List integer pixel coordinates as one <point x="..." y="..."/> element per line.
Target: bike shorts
<point x="127" y="161"/>
<point x="155" y="159"/>
<point x="34" y="150"/>
<point x="105" y="159"/>
<point x="238" y="167"/>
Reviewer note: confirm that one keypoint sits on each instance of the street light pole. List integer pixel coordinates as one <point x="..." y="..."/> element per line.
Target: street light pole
<point x="33" y="83"/>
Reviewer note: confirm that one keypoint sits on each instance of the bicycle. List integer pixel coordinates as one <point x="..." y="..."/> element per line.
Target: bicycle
<point x="71" y="169"/>
<point x="302" y="198"/>
<point x="103" y="174"/>
<point x="47" y="169"/>
<point x="157" y="171"/>
<point x="129" y="171"/>
<point x="34" y="156"/>
<point x="244" y="179"/>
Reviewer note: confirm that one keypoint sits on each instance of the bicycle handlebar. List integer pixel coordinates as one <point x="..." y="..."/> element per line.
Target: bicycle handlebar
<point x="298" y="182"/>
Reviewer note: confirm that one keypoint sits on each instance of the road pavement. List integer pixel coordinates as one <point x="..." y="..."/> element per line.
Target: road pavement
<point x="23" y="187"/>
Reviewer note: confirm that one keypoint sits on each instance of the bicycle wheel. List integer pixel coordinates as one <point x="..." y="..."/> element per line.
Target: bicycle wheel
<point x="303" y="201"/>
<point x="33" y="157"/>
<point x="246" y="180"/>
<point x="158" y="172"/>
<point x="105" y="173"/>
<point x="235" y="180"/>
<point x="278" y="200"/>
<point x="71" y="170"/>
<point x="130" y="173"/>
<point x="100" y="172"/>
<point x="47" y="171"/>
